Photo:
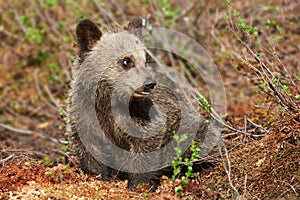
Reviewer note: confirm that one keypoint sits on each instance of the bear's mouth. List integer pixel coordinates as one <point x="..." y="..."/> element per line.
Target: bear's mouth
<point x="142" y="92"/>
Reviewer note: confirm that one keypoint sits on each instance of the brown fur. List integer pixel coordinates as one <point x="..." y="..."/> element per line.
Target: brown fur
<point x="99" y="62"/>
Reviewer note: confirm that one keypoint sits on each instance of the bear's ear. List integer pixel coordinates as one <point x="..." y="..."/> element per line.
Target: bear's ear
<point x="87" y="34"/>
<point x="135" y="26"/>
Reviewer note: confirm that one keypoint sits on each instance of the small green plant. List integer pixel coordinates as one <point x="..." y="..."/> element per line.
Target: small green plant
<point x="225" y="16"/>
<point x="50" y="3"/>
<point x="64" y="148"/>
<point x="48" y="161"/>
<point x="49" y="173"/>
<point x="178" y="190"/>
<point x="145" y="192"/>
<point x="34" y="35"/>
<point x="60" y="111"/>
<point x="228" y="4"/>
<point x="251" y="44"/>
<point x="286" y="89"/>
<point x="25" y="20"/>
<point x="205" y="105"/>
<point x="178" y="162"/>
<point x="169" y="12"/>
<point x="236" y="13"/>
<point x="247" y="29"/>
<point x="62" y="158"/>
<point x="54" y="71"/>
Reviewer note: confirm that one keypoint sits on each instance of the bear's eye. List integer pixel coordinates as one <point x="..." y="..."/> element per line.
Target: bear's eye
<point x="127" y="63"/>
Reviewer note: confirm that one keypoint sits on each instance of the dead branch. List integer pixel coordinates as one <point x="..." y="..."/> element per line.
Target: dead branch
<point x="227" y="168"/>
<point x="29" y="132"/>
<point x="16" y="130"/>
<point x="57" y="105"/>
<point x="258" y="126"/>
<point x="17" y="17"/>
<point x="9" y="34"/>
<point x="7" y="158"/>
<point x="39" y="90"/>
<point x="245" y="129"/>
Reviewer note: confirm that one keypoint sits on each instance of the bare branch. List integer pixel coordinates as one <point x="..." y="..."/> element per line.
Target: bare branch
<point x="227" y="168"/>
<point x="245" y="129"/>
<point x="29" y="132"/>
<point x="16" y="130"/>
<point x="17" y="17"/>
<point x="7" y="158"/>
<point x="258" y="126"/>
<point x="51" y="96"/>
<point x="39" y="90"/>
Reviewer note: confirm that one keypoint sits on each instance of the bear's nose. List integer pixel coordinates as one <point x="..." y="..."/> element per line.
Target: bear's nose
<point x="149" y="83"/>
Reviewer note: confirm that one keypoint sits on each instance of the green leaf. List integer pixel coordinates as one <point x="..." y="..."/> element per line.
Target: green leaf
<point x="178" y="151"/>
<point x="236" y="13"/>
<point x="184" y="180"/>
<point x="183" y="137"/>
<point x="49" y="173"/>
<point x="178" y="189"/>
<point x="225" y="16"/>
<point x="34" y="35"/>
<point x="48" y="161"/>
<point x="177" y="170"/>
<point x="175" y="136"/>
<point x="25" y="20"/>
<point x="51" y="2"/>
<point x="228" y="4"/>
<point x="64" y="148"/>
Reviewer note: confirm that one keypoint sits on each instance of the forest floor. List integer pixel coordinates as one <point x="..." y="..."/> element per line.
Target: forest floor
<point x="37" y="50"/>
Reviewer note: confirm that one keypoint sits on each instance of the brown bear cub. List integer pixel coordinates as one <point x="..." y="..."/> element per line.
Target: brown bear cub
<point x="121" y="119"/>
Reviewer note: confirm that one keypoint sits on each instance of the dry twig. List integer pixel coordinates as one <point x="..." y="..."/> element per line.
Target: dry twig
<point x="227" y="168"/>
